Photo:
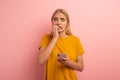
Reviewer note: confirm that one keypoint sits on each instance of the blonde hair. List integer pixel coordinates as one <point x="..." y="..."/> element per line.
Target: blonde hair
<point x="67" y="30"/>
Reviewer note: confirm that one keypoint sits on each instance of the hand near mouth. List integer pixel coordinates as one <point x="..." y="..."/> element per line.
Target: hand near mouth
<point x="59" y="27"/>
<point x="55" y="31"/>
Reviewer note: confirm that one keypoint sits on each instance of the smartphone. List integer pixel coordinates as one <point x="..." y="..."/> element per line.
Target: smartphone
<point x="61" y="56"/>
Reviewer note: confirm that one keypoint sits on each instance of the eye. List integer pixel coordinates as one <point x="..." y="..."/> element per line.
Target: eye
<point x="55" y="19"/>
<point x="62" y="19"/>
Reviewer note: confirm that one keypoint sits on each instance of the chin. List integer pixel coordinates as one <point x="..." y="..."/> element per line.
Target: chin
<point x="60" y="31"/>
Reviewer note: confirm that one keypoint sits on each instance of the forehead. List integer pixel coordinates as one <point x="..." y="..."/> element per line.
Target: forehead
<point x="59" y="14"/>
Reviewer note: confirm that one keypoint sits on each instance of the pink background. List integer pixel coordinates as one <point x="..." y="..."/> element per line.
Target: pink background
<point x="95" y="22"/>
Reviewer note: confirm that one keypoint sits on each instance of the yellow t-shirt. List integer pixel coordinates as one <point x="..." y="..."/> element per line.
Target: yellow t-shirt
<point x="54" y="70"/>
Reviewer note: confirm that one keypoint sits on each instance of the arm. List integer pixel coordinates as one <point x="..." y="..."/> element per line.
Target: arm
<point x="78" y="65"/>
<point x="46" y="51"/>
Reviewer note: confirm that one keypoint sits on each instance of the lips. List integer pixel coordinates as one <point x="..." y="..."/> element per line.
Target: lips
<point x="59" y="27"/>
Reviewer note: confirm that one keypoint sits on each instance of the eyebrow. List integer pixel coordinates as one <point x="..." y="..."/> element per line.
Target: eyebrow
<point x="62" y="18"/>
<point x="55" y="18"/>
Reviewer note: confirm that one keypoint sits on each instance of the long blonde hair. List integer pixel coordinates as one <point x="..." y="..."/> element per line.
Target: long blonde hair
<point x="67" y="30"/>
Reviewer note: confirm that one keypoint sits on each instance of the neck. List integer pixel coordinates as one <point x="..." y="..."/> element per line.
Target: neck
<point x="62" y="34"/>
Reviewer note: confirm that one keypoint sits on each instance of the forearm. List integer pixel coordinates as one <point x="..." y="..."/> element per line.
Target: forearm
<point x="44" y="54"/>
<point x="75" y="65"/>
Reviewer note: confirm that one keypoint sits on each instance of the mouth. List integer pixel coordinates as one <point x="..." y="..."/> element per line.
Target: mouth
<point x="59" y="27"/>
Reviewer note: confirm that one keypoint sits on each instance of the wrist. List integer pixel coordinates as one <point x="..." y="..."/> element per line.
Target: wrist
<point x="55" y="37"/>
<point x="68" y="62"/>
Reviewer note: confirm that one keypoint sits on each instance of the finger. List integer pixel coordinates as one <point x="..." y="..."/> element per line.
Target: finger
<point x="64" y="59"/>
<point x="53" y="29"/>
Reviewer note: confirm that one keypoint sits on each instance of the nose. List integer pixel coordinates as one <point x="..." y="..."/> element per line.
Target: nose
<point x="58" y="22"/>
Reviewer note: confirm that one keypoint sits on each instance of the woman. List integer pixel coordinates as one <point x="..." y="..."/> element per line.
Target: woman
<point x="61" y="50"/>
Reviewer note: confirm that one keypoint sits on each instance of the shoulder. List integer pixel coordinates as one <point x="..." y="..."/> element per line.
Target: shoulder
<point x="47" y="36"/>
<point x="74" y="37"/>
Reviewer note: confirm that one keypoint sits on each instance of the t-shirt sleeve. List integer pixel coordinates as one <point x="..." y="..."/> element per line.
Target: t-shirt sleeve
<point x="79" y="48"/>
<point x="43" y="42"/>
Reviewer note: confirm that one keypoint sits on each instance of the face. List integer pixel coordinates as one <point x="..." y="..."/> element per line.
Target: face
<point x="60" y="20"/>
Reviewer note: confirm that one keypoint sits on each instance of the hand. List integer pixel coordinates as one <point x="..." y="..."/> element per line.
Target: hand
<point x="55" y="31"/>
<point x="64" y="60"/>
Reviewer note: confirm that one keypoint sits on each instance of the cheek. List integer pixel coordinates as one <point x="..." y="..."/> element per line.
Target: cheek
<point x="65" y="24"/>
